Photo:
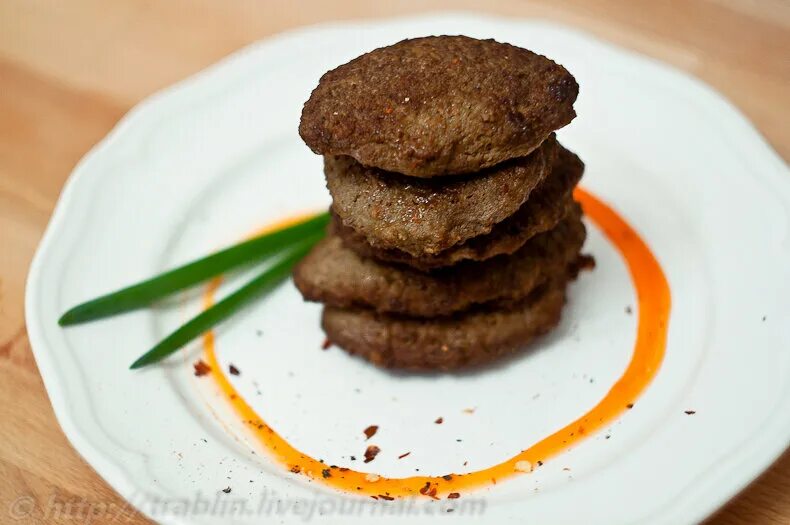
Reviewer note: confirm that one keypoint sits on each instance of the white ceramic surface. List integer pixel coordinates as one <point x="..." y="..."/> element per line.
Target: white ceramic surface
<point x="206" y="161"/>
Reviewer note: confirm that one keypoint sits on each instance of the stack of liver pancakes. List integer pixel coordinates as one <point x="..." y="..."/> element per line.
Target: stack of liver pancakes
<point x="454" y="231"/>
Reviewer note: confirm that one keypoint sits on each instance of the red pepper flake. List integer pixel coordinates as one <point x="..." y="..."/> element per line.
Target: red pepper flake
<point x="375" y="497"/>
<point x="326" y="473"/>
<point x="629" y="406"/>
<point x="432" y="492"/>
<point x="233" y="370"/>
<point x="439" y="421"/>
<point x="343" y="469"/>
<point x="327" y="344"/>
<point x="371" y="452"/>
<point x="424" y="490"/>
<point x="453" y="495"/>
<point x="371" y="431"/>
<point x="296" y="469"/>
<point x="387" y="111"/>
<point x="404" y="455"/>
<point x="201" y="368"/>
<point x="691" y="412"/>
<point x="385" y="497"/>
<point x="226" y="490"/>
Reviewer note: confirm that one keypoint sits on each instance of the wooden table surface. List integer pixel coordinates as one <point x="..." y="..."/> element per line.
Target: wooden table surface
<point x="70" y="70"/>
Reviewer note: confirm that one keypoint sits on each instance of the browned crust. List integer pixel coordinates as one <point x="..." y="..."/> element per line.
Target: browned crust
<point x="546" y="207"/>
<point x="441" y="105"/>
<point x="334" y="275"/>
<point x="428" y="216"/>
<point x="466" y="340"/>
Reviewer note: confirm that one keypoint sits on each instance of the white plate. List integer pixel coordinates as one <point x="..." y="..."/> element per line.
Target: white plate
<point x="209" y="160"/>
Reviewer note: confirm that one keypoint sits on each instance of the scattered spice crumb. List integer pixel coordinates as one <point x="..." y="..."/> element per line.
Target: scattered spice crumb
<point x="259" y="332"/>
<point x="523" y="466"/>
<point x="540" y="463"/>
<point x="566" y="469"/>
<point x="458" y="440"/>
<point x="764" y="318"/>
<point x="466" y="463"/>
<point x="326" y="344"/>
<point x="439" y="420"/>
<point x="629" y="406"/>
<point x="353" y="458"/>
<point x="629" y="310"/>
<point x="447" y="477"/>
<point x="371" y="452"/>
<point x="296" y="469"/>
<point x="201" y="368"/>
<point x="326" y="474"/>
<point x="450" y="510"/>
<point x="453" y="495"/>
<point x="470" y="410"/>
<point x="233" y="370"/>
<point x="585" y="262"/>
<point x="372" y="478"/>
<point x="691" y="412"/>
<point x="371" y="431"/>
<point x="424" y="490"/>
<point x="385" y="497"/>
<point x="404" y="455"/>
<point x="226" y="490"/>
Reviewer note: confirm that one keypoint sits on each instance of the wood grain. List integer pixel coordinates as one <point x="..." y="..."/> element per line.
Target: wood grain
<point x="70" y="70"/>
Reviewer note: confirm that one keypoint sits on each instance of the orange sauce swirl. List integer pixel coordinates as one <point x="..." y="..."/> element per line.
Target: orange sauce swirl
<point x="653" y="299"/>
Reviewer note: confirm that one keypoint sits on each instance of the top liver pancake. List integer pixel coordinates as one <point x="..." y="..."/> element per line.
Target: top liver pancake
<point x="435" y="106"/>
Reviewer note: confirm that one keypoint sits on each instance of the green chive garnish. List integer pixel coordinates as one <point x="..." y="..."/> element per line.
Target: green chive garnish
<point x="146" y="292"/>
<point x="229" y="305"/>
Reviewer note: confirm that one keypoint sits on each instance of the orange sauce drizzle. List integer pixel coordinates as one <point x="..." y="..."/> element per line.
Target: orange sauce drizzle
<point x="653" y="297"/>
